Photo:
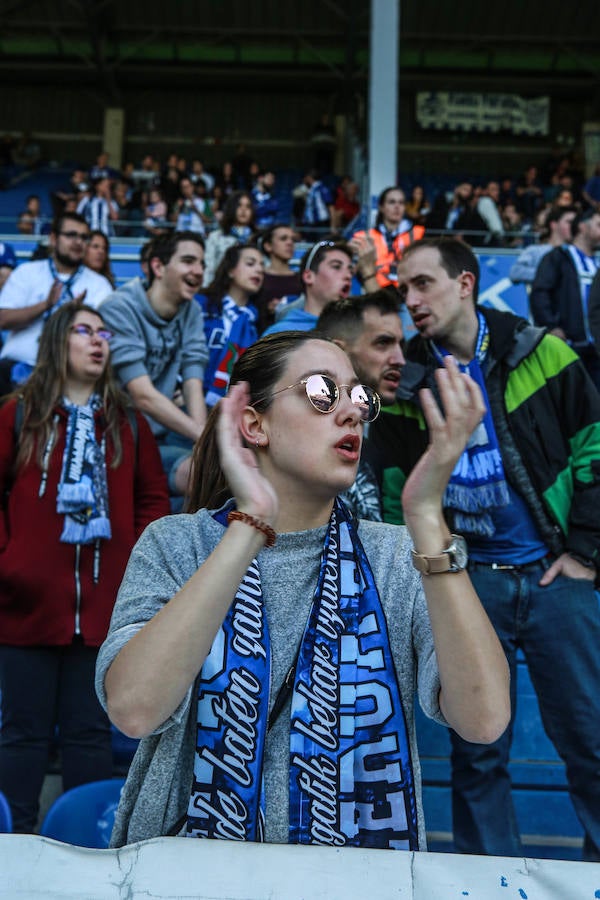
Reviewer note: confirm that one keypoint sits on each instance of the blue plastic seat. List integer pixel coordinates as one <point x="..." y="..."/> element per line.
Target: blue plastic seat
<point x="5" y="815"/>
<point x="84" y="816"/>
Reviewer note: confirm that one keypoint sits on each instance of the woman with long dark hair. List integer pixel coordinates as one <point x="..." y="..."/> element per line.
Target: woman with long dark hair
<point x="80" y="478"/>
<point x="229" y="316"/>
<point x="267" y="647"/>
<point x="236" y="227"/>
<point x="278" y="243"/>
<point x="97" y="255"/>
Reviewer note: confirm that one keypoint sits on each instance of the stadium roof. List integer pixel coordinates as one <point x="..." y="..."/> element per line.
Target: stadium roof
<point x="112" y="45"/>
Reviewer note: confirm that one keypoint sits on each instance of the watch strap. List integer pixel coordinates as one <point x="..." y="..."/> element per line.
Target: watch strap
<point x="431" y="565"/>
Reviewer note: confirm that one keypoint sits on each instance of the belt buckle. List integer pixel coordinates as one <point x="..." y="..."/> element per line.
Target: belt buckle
<point x="503" y="567"/>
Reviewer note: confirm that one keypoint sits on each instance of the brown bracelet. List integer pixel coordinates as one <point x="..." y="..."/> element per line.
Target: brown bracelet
<point x="236" y="516"/>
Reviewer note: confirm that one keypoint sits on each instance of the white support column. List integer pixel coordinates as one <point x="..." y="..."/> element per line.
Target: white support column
<point x="383" y="96"/>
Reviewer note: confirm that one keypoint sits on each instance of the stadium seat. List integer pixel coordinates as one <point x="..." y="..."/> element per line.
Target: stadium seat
<point x="84" y="816"/>
<point x="5" y="815"/>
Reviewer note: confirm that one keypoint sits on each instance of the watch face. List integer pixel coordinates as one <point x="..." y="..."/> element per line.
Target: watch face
<point x="458" y="552"/>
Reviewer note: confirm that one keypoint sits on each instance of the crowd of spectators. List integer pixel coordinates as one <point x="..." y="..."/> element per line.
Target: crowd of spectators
<point x="215" y="274"/>
<point x="155" y="196"/>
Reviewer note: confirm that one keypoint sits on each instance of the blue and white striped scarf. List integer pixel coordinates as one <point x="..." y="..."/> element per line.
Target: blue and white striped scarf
<point x="477" y="482"/>
<point x="82" y="490"/>
<point x="351" y="777"/>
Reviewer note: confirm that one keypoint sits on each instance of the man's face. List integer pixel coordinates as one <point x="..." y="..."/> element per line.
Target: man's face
<point x="563" y="226"/>
<point x="376" y="354"/>
<point x="182" y="276"/>
<point x="439" y="305"/>
<point x="333" y="278"/>
<point x="187" y="188"/>
<point x="591" y="229"/>
<point x="493" y="190"/>
<point x="70" y="242"/>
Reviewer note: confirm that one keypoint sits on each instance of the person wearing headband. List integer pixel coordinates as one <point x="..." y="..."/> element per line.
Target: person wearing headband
<point x="326" y="271"/>
<point x="267" y="647"/>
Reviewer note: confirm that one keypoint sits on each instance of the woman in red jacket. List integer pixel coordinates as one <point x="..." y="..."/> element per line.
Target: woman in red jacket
<point x="80" y="478"/>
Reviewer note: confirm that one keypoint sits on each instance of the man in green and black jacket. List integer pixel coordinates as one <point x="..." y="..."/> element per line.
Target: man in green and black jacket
<point x="526" y="496"/>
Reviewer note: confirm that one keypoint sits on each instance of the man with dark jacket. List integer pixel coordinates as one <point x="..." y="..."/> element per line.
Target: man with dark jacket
<point x="560" y="291"/>
<point x="525" y="495"/>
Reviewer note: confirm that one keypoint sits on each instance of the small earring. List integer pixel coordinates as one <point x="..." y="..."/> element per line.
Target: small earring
<point x="257" y="443"/>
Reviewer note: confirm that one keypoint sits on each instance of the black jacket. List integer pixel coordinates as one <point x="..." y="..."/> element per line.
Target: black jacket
<point x="555" y="299"/>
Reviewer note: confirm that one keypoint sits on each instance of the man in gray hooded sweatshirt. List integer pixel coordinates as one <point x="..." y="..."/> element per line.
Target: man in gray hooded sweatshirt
<point x="159" y="339"/>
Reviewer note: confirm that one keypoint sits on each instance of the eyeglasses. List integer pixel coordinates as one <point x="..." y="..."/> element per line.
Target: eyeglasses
<point x="314" y="251"/>
<point x="75" y="236"/>
<point x="324" y="395"/>
<point x="105" y="334"/>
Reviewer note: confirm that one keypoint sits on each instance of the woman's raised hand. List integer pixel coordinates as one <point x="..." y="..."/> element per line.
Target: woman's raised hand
<point x="449" y="432"/>
<point x="253" y="493"/>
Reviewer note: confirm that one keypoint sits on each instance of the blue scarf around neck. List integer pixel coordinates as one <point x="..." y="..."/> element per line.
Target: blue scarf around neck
<point x="477" y="482"/>
<point x="82" y="490"/>
<point x="351" y="776"/>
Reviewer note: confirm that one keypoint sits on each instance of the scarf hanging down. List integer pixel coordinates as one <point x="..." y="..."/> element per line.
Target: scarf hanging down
<point x="477" y="482"/>
<point x="351" y="778"/>
<point x="227" y="341"/>
<point x="82" y="490"/>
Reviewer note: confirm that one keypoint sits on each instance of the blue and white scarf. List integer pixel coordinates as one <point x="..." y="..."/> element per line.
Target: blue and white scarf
<point x="586" y="268"/>
<point x="67" y="286"/>
<point x="228" y="335"/>
<point x="82" y="490"/>
<point x="351" y="777"/>
<point x="477" y="482"/>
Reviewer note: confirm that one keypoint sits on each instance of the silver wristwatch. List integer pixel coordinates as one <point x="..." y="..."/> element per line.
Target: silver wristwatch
<point x="453" y="558"/>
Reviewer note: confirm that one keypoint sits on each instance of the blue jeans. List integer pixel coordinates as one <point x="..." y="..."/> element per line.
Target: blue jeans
<point x="558" y="629"/>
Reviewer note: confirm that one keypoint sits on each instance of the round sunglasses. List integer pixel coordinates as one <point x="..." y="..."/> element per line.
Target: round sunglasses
<point x="324" y="395"/>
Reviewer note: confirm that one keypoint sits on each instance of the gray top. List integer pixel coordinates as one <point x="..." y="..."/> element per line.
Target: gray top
<point x="166" y="556"/>
<point x="146" y="344"/>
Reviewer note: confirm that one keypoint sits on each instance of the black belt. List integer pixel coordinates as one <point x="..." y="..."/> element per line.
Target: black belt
<point x="544" y="561"/>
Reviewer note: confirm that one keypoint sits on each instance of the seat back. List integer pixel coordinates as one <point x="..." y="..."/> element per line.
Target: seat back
<point x="5" y="815"/>
<point x="84" y="816"/>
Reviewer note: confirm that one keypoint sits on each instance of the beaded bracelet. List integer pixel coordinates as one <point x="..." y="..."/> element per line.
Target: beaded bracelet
<point x="236" y="516"/>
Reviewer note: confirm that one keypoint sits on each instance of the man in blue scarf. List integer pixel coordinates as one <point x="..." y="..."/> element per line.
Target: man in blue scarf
<point x="525" y="494"/>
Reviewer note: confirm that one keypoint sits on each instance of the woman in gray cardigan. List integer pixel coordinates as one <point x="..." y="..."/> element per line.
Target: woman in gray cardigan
<point x="266" y="648"/>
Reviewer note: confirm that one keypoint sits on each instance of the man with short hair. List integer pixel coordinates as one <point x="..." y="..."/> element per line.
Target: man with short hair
<point x="326" y="271"/>
<point x="555" y="233"/>
<point x="368" y="328"/>
<point x="100" y="210"/>
<point x="525" y="494"/>
<point x="159" y="337"/>
<point x="266" y="207"/>
<point x="487" y="207"/>
<point x="318" y="206"/>
<point x="560" y="291"/>
<point x="189" y="209"/>
<point x="35" y="289"/>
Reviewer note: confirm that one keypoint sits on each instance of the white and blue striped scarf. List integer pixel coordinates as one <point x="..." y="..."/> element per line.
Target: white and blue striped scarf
<point x="351" y="776"/>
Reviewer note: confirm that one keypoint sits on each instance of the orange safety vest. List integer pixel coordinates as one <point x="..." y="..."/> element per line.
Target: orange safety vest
<point x="387" y="259"/>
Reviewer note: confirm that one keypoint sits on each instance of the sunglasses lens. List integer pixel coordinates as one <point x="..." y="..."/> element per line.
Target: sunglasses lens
<point x="322" y="392"/>
<point x="367" y="401"/>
